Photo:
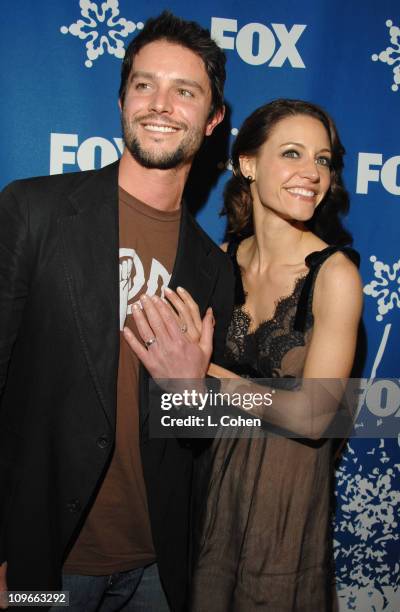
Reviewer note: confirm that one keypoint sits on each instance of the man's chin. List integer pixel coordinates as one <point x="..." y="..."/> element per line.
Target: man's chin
<point x="156" y="159"/>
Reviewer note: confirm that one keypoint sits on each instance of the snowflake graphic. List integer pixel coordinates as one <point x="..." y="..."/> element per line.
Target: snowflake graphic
<point x="391" y="55"/>
<point x="101" y="29"/>
<point x="366" y="529"/>
<point x="386" y="288"/>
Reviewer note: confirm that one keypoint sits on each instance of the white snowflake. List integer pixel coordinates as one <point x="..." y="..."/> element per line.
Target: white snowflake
<point x="373" y="502"/>
<point x="391" y="55"/>
<point x="368" y="599"/>
<point x="386" y="288"/>
<point x="101" y="29"/>
<point x="366" y="535"/>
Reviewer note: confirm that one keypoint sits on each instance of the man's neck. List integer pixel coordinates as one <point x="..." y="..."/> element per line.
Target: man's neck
<point x="161" y="189"/>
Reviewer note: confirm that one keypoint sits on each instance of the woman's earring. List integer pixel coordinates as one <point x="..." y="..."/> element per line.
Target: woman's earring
<point x="249" y="178"/>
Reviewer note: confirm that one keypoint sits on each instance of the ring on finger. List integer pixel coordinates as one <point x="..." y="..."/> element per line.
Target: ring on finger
<point x="184" y="328"/>
<point x="149" y="342"/>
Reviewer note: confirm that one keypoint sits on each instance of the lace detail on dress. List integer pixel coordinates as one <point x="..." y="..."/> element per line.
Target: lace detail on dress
<point x="261" y="353"/>
<point x="278" y="347"/>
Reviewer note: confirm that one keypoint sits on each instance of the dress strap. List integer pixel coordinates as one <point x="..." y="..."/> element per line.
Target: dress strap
<point x="231" y="250"/>
<point x="314" y="261"/>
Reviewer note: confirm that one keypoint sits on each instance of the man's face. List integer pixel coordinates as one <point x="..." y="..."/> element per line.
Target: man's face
<point x="165" y="114"/>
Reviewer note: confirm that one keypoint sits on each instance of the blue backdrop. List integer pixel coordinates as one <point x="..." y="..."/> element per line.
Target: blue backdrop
<point x="60" y="76"/>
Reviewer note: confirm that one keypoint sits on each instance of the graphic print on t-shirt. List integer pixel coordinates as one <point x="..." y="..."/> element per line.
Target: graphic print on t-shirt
<point x="132" y="280"/>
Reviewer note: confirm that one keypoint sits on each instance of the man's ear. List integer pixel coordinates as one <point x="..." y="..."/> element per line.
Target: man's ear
<point x="120" y="104"/>
<point x="215" y="120"/>
<point x="247" y="166"/>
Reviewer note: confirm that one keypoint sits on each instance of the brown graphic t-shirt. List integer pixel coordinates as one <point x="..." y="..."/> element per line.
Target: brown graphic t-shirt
<point x="117" y="535"/>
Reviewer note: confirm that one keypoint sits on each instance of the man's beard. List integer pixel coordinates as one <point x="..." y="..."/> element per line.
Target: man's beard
<point x="162" y="160"/>
<point x="159" y="159"/>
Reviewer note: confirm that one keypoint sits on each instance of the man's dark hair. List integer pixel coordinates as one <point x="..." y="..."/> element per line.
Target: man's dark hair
<point x="188" y="34"/>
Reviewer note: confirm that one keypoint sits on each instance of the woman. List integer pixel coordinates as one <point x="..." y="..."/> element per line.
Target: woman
<point x="264" y="531"/>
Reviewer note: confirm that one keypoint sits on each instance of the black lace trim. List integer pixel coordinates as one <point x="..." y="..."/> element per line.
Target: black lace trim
<point x="259" y="352"/>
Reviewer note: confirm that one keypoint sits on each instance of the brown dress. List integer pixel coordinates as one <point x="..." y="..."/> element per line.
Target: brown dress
<point x="263" y="540"/>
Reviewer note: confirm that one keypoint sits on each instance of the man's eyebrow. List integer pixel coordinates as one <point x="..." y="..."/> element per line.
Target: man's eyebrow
<point x="189" y="83"/>
<point x="141" y="74"/>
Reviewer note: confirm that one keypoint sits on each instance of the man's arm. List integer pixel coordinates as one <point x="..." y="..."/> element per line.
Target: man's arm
<point x="14" y="229"/>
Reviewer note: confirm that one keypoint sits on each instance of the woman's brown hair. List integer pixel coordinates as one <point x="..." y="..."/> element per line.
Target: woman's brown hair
<point x="255" y="131"/>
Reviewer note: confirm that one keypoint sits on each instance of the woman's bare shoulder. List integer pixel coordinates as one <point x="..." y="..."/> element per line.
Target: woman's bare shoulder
<point x="338" y="282"/>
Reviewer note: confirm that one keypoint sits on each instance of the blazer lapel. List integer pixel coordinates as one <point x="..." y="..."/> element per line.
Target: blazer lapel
<point x="90" y="250"/>
<point x="193" y="269"/>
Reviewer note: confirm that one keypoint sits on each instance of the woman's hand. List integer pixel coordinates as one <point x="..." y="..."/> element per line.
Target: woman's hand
<point x="168" y="351"/>
<point x="187" y="312"/>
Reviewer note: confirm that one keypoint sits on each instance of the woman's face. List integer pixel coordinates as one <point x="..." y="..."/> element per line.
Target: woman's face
<point x="291" y="171"/>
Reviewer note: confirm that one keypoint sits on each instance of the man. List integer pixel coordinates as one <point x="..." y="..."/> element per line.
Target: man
<point x="83" y="488"/>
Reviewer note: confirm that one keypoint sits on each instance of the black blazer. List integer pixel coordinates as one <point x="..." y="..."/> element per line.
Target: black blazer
<point x="59" y="348"/>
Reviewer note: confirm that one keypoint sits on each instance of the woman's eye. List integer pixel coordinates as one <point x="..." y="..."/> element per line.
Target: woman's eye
<point x="324" y="161"/>
<point x="291" y="153"/>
